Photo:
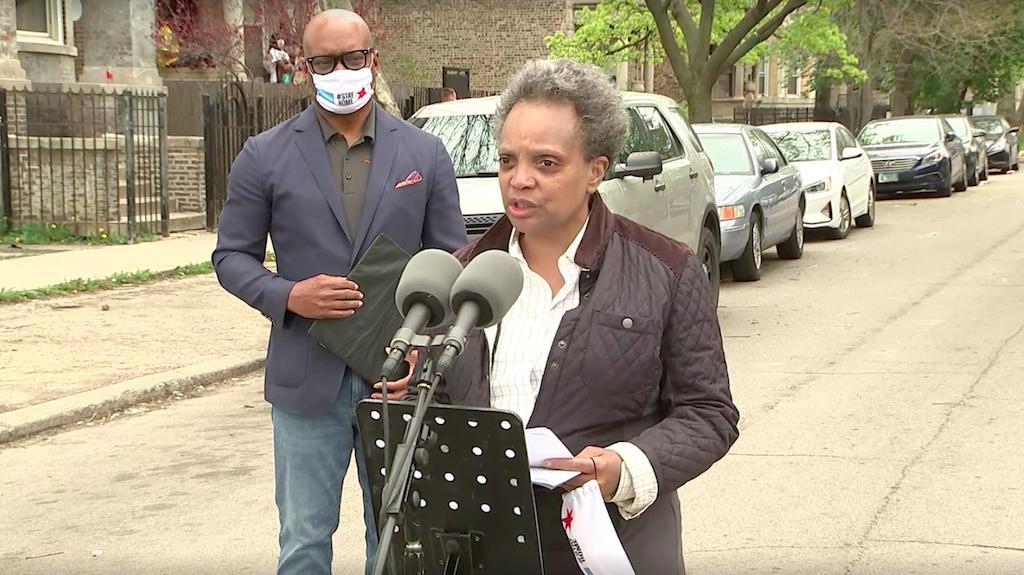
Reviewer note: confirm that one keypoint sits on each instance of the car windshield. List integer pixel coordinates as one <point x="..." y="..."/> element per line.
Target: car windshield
<point x="470" y="141"/>
<point x="728" y="153"/>
<point x="924" y="131"/>
<point x="960" y="127"/>
<point x="991" y="126"/>
<point x="803" y="145"/>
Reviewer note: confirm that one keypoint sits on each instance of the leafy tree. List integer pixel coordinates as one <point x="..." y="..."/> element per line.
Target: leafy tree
<point x="703" y="39"/>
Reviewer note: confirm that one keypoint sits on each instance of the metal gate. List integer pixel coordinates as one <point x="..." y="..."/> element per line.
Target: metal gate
<point x="232" y="114"/>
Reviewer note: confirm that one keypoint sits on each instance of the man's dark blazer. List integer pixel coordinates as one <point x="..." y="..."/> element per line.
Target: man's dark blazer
<point x="281" y="184"/>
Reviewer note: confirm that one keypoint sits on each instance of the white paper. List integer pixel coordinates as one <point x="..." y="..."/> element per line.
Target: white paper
<point x="542" y="444"/>
<point x="592" y="537"/>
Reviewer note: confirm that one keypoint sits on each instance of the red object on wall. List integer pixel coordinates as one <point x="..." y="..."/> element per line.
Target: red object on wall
<point x="110" y="74"/>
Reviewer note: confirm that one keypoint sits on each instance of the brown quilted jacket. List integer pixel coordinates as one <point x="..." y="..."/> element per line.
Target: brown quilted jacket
<point x="639" y="360"/>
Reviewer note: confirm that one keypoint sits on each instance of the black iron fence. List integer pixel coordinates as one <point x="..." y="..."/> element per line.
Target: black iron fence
<point x="410" y="99"/>
<point x="92" y="160"/>
<point x="761" y="116"/>
<point x="232" y="113"/>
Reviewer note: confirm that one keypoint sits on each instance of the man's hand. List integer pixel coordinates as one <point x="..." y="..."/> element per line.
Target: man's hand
<point x="597" y="463"/>
<point x="398" y="389"/>
<point x="324" y="296"/>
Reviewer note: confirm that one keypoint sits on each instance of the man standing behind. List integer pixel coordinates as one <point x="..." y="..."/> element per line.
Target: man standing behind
<point x="323" y="185"/>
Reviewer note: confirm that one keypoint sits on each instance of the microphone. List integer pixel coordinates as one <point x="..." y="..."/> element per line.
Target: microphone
<point x="481" y="296"/>
<point x="422" y="297"/>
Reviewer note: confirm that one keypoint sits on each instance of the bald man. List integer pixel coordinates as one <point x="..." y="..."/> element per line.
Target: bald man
<point x="323" y="185"/>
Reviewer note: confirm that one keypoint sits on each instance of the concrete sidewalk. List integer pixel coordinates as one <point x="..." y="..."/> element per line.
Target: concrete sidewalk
<point x="87" y="356"/>
<point x="38" y="271"/>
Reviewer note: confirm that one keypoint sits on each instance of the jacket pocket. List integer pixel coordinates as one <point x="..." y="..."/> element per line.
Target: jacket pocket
<point x="287" y="354"/>
<point x="622" y="358"/>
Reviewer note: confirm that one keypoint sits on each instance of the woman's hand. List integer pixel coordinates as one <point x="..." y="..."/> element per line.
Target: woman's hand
<point x="598" y="463"/>
<point x="398" y="389"/>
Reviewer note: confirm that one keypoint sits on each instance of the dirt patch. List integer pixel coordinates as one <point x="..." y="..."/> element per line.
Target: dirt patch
<point x="55" y="348"/>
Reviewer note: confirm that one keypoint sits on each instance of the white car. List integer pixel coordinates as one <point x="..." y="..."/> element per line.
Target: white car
<point x="839" y="182"/>
<point x="663" y="178"/>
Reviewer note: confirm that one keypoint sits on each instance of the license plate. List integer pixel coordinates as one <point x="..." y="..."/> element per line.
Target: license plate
<point x="887" y="178"/>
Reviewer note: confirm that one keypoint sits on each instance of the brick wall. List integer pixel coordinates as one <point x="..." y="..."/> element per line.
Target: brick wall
<point x="186" y="174"/>
<point x="492" y="38"/>
<point x="82" y="182"/>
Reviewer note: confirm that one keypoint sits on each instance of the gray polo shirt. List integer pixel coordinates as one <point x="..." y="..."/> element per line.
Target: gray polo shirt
<point x="350" y="166"/>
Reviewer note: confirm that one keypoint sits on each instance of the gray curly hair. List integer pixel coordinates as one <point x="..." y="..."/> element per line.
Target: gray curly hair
<point x="603" y="119"/>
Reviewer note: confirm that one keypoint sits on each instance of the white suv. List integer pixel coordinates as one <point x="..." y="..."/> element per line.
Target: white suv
<point x="663" y="179"/>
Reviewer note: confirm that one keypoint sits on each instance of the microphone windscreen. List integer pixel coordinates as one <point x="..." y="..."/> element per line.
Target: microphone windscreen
<point x="493" y="280"/>
<point x="428" y="279"/>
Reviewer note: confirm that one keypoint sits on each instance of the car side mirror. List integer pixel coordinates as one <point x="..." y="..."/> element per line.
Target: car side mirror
<point x="950" y="136"/>
<point x="769" y="166"/>
<point x="644" y="165"/>
<point x="850" y="153"/>
<point x="1014" y="130"/>
<point x="979" y="133"/>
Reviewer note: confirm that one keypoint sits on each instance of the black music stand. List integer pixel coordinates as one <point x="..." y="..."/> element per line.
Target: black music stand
<point x="469" y="508"/>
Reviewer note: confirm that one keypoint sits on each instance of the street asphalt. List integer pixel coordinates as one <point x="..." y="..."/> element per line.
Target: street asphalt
<point x="882" y="406"/>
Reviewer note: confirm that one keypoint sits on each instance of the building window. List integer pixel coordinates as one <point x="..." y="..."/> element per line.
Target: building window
<point x="762" y="77"/>
<point x="791" y="81"/>
<point x="724" y="87"/>
<point x="40" y="20"/>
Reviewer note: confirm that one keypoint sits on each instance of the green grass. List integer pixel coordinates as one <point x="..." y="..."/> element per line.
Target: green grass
<point x="34" y="234"/>
<point x="78" y="286"/>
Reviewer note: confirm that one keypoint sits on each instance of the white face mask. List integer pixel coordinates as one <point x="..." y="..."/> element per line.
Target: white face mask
<point x="344" y="91"/>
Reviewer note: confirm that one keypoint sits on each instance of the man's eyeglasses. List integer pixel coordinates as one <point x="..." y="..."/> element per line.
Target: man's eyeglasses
<point x="354" y="60"/>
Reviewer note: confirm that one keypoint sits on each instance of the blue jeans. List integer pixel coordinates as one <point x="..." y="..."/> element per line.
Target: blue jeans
<point x="311" y="457"/>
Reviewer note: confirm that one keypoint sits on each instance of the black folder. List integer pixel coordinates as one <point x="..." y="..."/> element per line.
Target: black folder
<point x="361" y="338"/>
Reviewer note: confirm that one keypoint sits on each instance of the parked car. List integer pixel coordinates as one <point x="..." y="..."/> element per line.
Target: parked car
<point x="837" y="177"/>
<point x="1002" y="142"/>
<point x="915" y="153"/>
<point x="973" y="139"/>
<point x="670" y="191"/>
<point x="760" y="197"/>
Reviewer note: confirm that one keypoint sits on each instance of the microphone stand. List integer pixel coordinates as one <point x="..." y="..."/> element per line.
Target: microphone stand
<point x="398" y="480"/>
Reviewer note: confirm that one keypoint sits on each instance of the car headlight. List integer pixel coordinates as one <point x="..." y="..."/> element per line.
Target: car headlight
<point x="936" y="156"/>
<point x="733" y="212"/>
<point x="822" y="186"/>
<point x="997" y="146"/>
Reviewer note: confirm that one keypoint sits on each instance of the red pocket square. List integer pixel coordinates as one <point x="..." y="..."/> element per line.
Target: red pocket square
<point x="412" y="178"/>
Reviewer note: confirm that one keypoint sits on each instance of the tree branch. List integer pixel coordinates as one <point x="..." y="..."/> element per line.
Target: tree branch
<point x="640" y="41"/>
<point x="725" y="60"/>
<point x="684" y="18"/>
<point x="707" y="19"/>
<point x="668" y="41"/>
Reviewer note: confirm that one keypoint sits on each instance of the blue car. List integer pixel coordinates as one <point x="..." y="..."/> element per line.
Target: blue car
<point x="759" y="196"/>
<point x="915" y="153"/>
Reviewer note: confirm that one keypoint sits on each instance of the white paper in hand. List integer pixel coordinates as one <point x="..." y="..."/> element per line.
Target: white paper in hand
<point x="543" y="444"/>
<point x="592" y="537"/>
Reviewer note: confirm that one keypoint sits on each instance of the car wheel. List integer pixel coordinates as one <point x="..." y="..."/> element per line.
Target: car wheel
<point x="946" y="187"/>
<point x="962" y="184"/>
<point x="748" y="267"/>
<point x="868" y="219"/>
<point x="793" y="247"/>
<point x="975" y="175"/>
<point x="709" y="261"/>
<point x="845" y="220"/>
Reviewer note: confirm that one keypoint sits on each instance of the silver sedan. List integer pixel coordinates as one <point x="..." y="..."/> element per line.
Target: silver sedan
<point x="759" y="196"/>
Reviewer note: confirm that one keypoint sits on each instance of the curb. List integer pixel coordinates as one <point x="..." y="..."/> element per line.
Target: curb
<point x="106" y="400"/>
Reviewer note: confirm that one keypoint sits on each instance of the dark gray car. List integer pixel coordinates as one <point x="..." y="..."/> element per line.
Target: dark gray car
<point x="1002" y="142"/>
<point x="974" y="141"/>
